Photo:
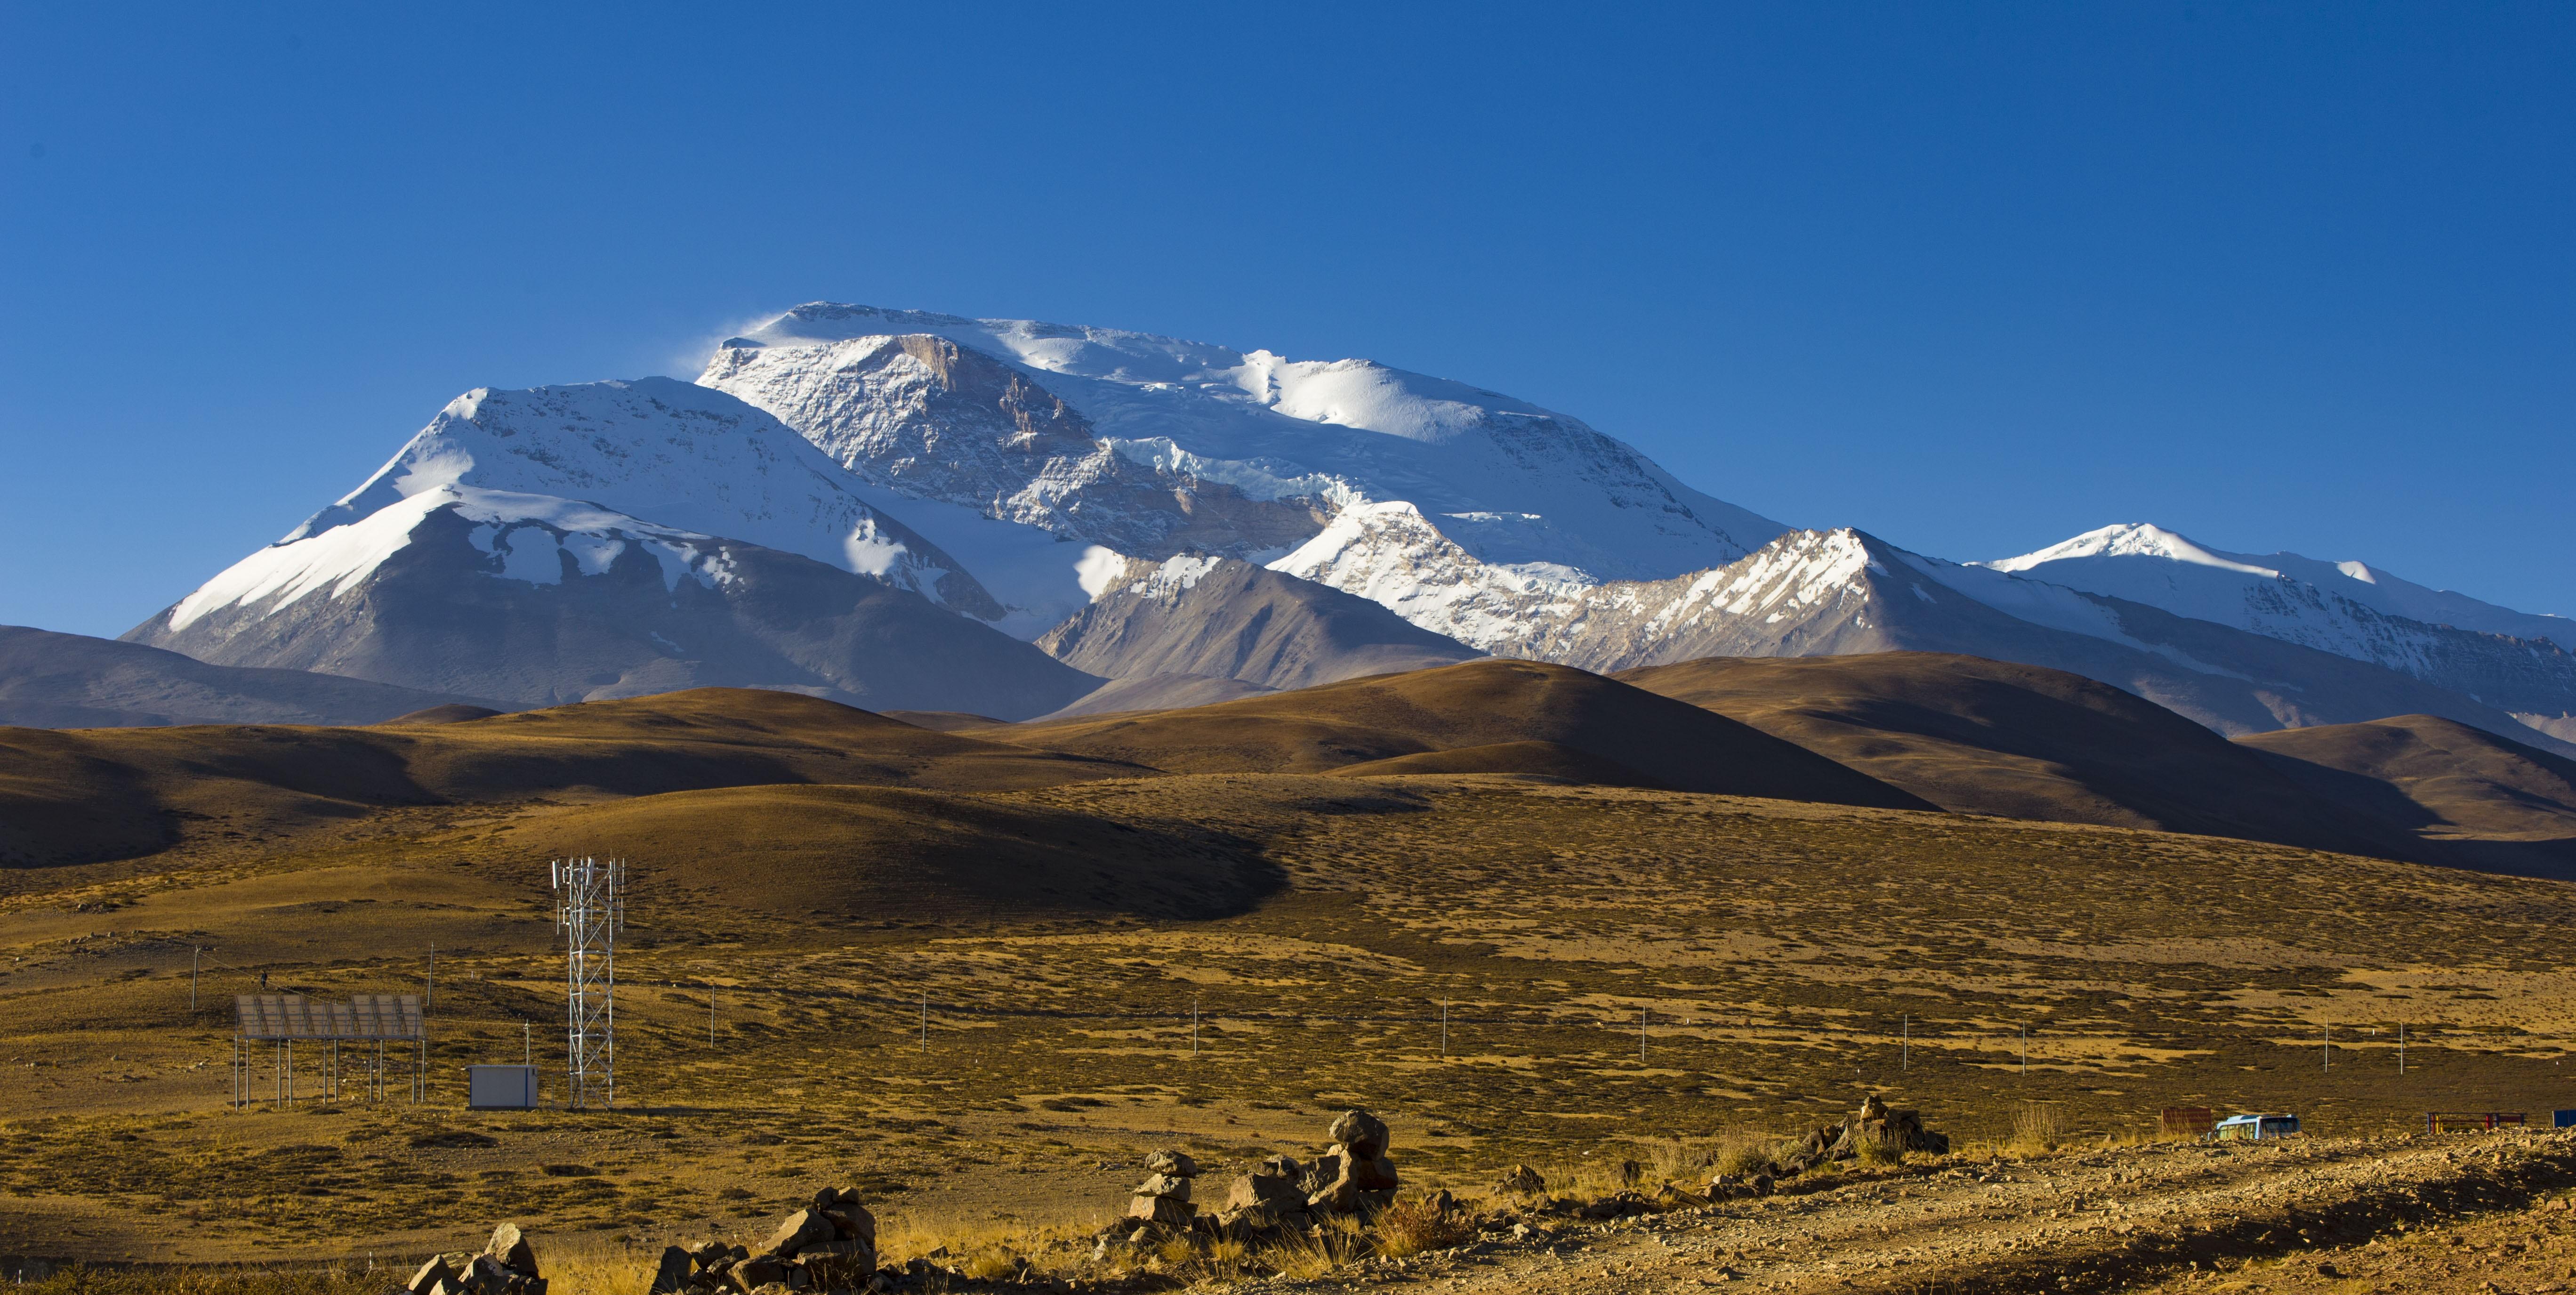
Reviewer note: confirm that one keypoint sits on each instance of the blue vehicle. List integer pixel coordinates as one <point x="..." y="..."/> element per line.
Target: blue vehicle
<point x="2255" y="1128"/>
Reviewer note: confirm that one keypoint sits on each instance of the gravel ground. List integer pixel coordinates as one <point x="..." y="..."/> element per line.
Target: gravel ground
<point x="2469" y="1213"/>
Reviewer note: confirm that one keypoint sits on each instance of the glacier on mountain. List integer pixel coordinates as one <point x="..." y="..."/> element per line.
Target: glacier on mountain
<point x="2161" y="568"/>
<point x="1153" y="446"/>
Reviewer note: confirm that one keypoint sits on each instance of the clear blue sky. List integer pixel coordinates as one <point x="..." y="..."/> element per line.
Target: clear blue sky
<point x="1972" y="277"/>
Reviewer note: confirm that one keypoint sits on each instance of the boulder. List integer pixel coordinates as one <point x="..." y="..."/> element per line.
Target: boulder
<point x="1523" y="1180"/>
<point x="1264" y="1191"/>
<point x="803" y="1228"/>
<point x="1164" y="1185"/>
<point x="1170" y="1211"/>
<point x="1172" y="1164"/>
<point x="432" y="1274"/>
<point x="1359" y="1133"/>
<point x="510" y="1246"/>
<point x="752" y="1274"/>
<point x="1281" y="1167"/>
<point x="672" y="1276"/>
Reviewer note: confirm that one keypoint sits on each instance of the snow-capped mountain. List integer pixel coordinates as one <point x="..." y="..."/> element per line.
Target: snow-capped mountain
<point x="2514" y="660"/>
<point x="888" y="506"/>
<point x="1153" y="447"/>
<point x="688" y="458"/>
<point x="2152" y="565"/>
<point x="588" y="541"/>
<point x="1822" y="593"/>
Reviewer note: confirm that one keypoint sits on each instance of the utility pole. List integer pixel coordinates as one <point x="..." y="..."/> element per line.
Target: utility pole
<point x="527" y="1043"/>
<point x="430" y="1001"/>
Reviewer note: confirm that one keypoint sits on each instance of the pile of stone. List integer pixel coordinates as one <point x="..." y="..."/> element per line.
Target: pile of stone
<point x="1354" y="1175"/>
<point x="507" y="1266"/>
<point x="1164" y="1198"/>
<point x="830" y="1245"/>
<point x="1873" y="1126"/>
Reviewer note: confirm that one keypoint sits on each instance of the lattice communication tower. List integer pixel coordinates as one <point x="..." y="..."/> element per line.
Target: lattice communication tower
<point x="590" y="908"/>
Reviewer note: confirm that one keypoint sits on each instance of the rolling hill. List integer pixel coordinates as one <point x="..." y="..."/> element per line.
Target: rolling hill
<point x="85" y="796"/>
<point x="2018" y="741"/>
<point x="1479" y="704"/>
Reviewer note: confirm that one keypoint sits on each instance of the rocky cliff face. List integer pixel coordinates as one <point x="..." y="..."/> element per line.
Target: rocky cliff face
<point x="1230" y="619"/>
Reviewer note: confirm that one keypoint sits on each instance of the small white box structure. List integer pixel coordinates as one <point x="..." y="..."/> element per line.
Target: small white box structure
<point x="501" y="1088"/>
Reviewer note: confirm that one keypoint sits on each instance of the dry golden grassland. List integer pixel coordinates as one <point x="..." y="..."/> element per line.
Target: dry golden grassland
<point x="1626" y="974"/>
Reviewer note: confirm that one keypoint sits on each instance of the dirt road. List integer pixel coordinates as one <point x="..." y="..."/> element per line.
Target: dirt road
<point x="2380" y="1214"/>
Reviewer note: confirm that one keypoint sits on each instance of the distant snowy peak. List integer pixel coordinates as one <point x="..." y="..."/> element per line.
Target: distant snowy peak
<point x="2131" y="540"/>
<point x="1154" y="446"/>
<point x="532" y="539"/>
<point x="2336" y="606"/>
<point x="683" y="456"/>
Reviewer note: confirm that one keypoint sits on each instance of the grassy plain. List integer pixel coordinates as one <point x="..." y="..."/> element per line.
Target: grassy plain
<point x="816" y="989"/>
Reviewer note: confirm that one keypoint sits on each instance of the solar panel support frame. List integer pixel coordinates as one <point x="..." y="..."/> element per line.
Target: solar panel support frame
<point x="284" y="1020"/>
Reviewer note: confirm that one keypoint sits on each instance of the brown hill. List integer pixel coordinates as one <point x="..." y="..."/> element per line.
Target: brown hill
<point x="1156" y="692"/>
<point x="2019" y="741"/>
<point x="1533" y="759"/>
<point x="88" y="795"/>
<point x="1476" y="704"/>
<point x="2477" y="797"/>
<point x="888" y="856"/>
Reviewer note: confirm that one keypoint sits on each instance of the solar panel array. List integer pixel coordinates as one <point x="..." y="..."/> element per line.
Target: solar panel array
<point x="366" y="1016"/>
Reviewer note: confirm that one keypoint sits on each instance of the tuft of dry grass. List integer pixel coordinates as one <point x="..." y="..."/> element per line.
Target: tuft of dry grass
<point x="1679" y="1160"/>
<point x="2039" y="1127"/>
<point x="598" y="1269"/>
<point x="1307" y="1258"/>
<point x="1744" y="1151"/>
<point x="1410" y="1227"/>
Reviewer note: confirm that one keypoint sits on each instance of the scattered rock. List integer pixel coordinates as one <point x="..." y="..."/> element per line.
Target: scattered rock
<point x="507" y="1266"/>
<point x="828" y="1245"/>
